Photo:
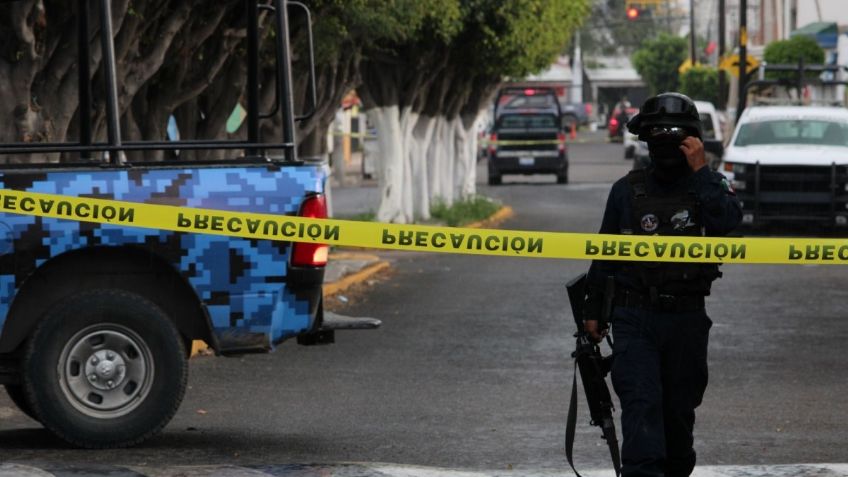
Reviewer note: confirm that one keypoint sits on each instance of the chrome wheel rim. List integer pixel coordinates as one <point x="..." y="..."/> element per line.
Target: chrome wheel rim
<point x="106" y="371"/>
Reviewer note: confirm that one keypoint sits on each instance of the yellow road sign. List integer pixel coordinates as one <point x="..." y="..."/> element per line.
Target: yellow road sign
<point x="731" y="64"/>
<point x="686" y="66"/>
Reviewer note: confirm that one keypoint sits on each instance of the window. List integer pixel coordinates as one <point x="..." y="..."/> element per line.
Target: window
<point x="707" y="126"/>
<point x="793" y="131"/>
<point x="528" y="121"/>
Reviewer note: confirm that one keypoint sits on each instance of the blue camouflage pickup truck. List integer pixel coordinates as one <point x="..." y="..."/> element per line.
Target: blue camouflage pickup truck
<point x="97" y="320"/>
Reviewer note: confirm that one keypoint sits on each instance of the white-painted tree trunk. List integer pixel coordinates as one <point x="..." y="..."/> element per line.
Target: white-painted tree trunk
<point x="408" y="119"/>
<point x="466" y="158"/>
<point x="421" y="159"/>
<point x="391" y="161"/>
<point x="441" y="158"/>
<point x="422" y="140"/>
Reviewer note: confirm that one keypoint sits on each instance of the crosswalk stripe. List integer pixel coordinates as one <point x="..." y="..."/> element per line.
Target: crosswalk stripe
<point x="390" y="470"/>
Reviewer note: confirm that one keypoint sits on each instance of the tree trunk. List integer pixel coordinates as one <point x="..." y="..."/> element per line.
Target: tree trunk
<point x="442" y="157"/>
<point x="466" y="156"/>
<point x="419" y="147"/>
<point x="391" y="163"/>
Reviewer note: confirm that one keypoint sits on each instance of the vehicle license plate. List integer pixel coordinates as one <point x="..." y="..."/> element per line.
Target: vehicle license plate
<point x="526" y="161"/>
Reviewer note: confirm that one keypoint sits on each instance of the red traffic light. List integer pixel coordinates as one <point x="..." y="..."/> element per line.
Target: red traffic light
<point x="632" y="13"/>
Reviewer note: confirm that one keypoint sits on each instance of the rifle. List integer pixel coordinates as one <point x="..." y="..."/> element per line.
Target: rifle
<point x="593" y="369"/>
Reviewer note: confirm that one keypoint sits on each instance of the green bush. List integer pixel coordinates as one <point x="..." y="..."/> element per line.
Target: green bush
<point x="465" y="211"/>
<point x="700" y="82"/>
<point x="789" y="52"/>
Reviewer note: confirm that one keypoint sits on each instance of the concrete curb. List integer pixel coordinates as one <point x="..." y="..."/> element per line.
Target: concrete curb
<point x="348" y="281"/>
<point x="505" y="212"/>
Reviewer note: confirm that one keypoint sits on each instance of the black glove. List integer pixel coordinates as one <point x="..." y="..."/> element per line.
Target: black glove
<point x="593" y="307"/>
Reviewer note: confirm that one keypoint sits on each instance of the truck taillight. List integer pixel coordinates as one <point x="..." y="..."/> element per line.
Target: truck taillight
<point x="561" y="141"/>
<point x="305" y="254"/>
<point x="493" y="143"/>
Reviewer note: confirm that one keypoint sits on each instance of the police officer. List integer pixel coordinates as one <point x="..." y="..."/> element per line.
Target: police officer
<point x="659" y="323"/>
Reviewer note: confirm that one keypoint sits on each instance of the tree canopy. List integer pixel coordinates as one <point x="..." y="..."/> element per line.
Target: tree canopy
<point x="658" y="60"/>
<point x="472" y="47"/>
<point x="185" y="58"/>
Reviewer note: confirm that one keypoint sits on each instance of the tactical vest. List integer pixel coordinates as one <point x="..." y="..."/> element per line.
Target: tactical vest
<point x="675" y="214"/>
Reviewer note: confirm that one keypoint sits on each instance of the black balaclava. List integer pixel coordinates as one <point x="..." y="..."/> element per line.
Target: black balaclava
<point x="668" y="160"/>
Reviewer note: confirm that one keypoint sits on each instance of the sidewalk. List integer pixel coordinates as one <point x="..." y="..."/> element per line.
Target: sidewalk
<point x="350" y="193"/>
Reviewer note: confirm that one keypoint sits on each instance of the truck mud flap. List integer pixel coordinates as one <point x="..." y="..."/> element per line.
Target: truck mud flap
<point x="326" y="334"/>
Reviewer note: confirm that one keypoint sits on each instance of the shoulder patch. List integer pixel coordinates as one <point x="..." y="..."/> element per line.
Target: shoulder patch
<point x="650" y="222"/>
<point x="725" y="184"/>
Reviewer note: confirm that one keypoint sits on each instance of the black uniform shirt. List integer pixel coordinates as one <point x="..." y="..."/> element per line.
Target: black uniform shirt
<point x="720" y="212"/>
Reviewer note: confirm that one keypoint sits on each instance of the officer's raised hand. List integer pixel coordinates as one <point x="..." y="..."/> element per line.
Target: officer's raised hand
<point x="594" y="330"/>
<point x="694" y="150"/>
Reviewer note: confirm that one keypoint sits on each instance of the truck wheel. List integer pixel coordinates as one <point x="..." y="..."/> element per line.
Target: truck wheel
<point x="105" y="368"/>
<point x="16" y="394"/>
<point x="562" y="177"/>
<point x="495" y="180"/>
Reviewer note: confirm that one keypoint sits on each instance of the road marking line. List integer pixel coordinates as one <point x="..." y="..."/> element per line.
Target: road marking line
<point x="399" y="470"/>
<point x="331" y="289"/>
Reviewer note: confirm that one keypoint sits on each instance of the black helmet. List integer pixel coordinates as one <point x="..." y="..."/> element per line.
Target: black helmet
<point x="666" y="109"/>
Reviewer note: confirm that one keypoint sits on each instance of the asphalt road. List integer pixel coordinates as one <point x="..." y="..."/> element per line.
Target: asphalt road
<point x="472" y="367"/>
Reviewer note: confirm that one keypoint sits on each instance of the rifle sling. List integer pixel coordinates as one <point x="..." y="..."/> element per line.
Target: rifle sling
<point x="571" y="425"/>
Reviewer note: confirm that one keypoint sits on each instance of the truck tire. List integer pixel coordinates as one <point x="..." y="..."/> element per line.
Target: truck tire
<point x="562" y="176"/>
<point x="495" y="179"/>
<point x="16" y="394"/>
<point x="105" y="368"/>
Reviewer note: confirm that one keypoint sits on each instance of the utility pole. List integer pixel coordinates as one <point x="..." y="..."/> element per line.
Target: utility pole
<point x="692" y="54"/>
<point x="668" y="16"/>
<point x="722" y="78"/>
<point x="576" y="91"/>
<point x="743" y="56"/>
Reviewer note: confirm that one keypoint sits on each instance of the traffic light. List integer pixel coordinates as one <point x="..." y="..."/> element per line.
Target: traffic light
<point x="640" y="9"/>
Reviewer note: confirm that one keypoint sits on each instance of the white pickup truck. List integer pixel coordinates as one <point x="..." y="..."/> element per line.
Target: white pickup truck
<point x="789" y="164"/>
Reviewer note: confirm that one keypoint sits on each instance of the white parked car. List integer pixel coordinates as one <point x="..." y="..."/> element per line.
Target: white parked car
<point x="789" y="164"/>
<point x="711" y="125"/>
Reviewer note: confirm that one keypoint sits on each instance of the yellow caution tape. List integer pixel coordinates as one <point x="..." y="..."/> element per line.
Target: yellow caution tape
<point x="355" y="135"/>
<point x="421" y="238"/>
<point x="482" y="142"/>
<point x="519" y="142"/>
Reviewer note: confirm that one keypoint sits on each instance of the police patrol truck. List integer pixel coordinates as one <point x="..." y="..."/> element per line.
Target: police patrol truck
<point x="97" y="320"/>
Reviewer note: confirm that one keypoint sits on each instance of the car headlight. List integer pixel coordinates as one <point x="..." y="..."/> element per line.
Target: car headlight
<point x="734" y="168"/>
